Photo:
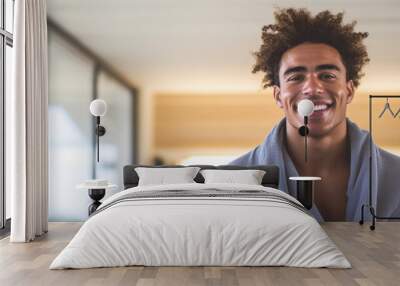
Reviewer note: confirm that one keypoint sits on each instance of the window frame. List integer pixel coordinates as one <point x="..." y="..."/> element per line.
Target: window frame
<point x="6" y="39"/>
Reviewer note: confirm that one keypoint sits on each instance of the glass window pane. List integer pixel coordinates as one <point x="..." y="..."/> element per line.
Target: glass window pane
<point x="117" y="145"/>
<point x="9" y="15"/>
<point x="71" y="130"/>
<point x="8" y="87"/>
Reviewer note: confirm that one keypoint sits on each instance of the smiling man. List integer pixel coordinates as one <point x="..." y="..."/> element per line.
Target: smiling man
<point x="320" y="59"/>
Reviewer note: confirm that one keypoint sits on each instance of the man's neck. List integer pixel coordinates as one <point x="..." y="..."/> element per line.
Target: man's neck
<point x="324" y="153"/>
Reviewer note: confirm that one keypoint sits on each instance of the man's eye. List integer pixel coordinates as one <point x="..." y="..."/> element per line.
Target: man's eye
<point x="295" y="78"/>
<point x="327" y="76"/>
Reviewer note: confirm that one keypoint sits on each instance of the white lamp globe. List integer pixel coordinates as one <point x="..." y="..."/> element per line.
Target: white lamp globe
<point x="305" y="107"/>
<point x="98" y="107"/>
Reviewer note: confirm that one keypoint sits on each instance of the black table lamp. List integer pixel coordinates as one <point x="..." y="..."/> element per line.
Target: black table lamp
<point x="305" y="108"/>
<point x="98" y="108"/>
<point x="305" y="185"/>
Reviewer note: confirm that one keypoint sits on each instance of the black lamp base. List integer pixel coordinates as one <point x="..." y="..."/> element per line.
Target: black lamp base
<point x="305" y="193"/>
<point x="96" y="195"/>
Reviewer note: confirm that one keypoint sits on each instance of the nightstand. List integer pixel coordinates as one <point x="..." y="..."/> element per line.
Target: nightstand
<point x="305" y="190"/>
<point x="96" y="193"/>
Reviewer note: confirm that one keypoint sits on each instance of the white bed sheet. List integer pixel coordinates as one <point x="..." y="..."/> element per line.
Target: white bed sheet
<point x="200" y="231"/>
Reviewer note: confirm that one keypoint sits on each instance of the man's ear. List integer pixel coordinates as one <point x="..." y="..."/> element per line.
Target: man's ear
<point x="350" y="91"/>
<point x="277" y="96"/>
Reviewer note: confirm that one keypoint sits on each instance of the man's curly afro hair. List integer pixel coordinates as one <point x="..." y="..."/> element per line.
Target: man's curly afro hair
<point x="297" y="26"/>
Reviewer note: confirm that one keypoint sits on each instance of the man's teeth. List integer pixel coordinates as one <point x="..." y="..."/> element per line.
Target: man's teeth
<point x="320" y="107"/>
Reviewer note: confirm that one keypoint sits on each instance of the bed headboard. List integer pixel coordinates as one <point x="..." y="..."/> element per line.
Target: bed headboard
<point x="270" y="179"/>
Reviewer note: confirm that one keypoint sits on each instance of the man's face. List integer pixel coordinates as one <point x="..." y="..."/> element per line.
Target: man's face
<point x="316" y="72"/>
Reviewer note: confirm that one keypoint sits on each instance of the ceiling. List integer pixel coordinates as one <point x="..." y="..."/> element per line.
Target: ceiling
<point x="206" y="46"/>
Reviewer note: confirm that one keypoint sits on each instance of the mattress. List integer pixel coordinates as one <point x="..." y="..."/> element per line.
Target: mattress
<point x="201" y="225"/>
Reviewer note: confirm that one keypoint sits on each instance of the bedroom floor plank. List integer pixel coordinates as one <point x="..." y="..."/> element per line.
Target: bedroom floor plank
<point x="374" y="255"/>
<point x="131" y="276"/>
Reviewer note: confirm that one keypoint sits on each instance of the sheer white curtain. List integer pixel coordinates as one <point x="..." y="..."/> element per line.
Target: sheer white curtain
<point x="26" y="119"/>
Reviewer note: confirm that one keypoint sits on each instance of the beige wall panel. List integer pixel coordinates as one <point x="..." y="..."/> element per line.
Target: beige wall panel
<point x="213" y="120"/>
<point x="242" y="121"/>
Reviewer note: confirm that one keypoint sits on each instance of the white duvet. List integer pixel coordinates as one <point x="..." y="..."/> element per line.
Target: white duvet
<point x="200" y="231"/>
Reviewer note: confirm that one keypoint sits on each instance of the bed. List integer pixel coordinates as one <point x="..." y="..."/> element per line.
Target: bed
<point x="201" y="224"/>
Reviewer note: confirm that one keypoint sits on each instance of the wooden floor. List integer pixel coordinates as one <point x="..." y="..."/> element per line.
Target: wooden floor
<point x="374" y="255"/>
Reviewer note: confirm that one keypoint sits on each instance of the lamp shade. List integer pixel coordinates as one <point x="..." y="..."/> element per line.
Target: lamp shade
<point x="98" y="107"/>
<point x="305" y="107"/>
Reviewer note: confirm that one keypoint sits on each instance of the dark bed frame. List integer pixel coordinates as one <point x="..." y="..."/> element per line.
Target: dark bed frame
<point x="270" y="179"/>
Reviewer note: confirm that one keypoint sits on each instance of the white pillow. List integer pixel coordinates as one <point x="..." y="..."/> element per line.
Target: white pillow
<point x="162" y="176"/>
<point x="248" y="177"/>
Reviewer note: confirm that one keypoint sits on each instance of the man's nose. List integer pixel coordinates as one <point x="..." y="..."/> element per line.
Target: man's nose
<point x="312" y="86"/>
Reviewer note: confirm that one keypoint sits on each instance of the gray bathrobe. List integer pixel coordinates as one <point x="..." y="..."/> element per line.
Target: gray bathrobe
<point x="385" y="172"/>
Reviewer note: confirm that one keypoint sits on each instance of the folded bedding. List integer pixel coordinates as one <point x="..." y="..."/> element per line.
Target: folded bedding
<point x="201" y="225"/>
